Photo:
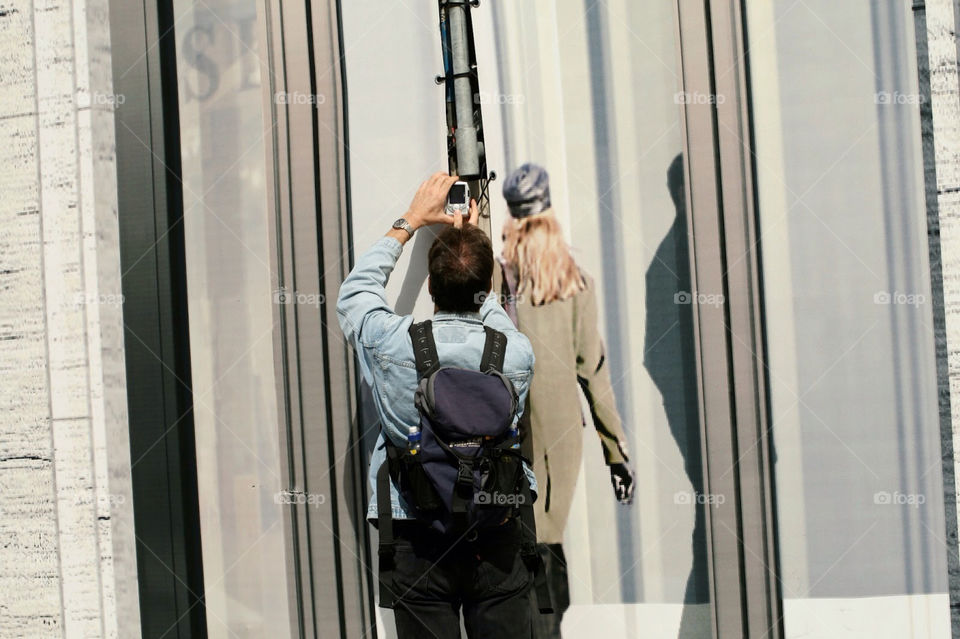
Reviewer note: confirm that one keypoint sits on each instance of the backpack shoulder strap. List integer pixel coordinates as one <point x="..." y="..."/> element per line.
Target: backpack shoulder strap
<point x="493" y="350"/>
<point x="387" y="548"/>
<point x="424" y="348"/>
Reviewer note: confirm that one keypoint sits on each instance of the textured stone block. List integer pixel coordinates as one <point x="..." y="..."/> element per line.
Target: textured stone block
<point x="68" y="561"/>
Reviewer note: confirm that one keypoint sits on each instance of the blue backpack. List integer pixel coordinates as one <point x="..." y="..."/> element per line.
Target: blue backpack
<point x="465" y="472"/>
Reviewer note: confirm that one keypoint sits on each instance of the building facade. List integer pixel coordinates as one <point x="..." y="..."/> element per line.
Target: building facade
<point x="766" y="193"/>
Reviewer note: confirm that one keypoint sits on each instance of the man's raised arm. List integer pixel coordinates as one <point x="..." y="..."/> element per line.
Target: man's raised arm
<point x="362" y="308"/>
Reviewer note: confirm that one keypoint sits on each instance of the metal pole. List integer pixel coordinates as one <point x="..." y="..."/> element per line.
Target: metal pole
<point x="468" y="156"/>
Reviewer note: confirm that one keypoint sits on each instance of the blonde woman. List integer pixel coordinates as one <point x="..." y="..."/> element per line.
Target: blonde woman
<point x="552" y="301"/>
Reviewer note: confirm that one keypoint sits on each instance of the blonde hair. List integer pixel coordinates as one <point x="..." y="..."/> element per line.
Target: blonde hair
<point x="535" y="248"/>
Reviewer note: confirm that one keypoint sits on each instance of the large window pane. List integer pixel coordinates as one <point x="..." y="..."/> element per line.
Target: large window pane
<point x="849" y="321"/>
<point x="222" y="134"/>
<point x="590" y="91"/>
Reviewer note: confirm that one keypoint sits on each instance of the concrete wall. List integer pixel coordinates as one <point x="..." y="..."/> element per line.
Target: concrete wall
<point x="67" y="561"/>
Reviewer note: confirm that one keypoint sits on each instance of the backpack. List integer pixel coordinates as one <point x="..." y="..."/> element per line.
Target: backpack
<point x="466" y="473"/>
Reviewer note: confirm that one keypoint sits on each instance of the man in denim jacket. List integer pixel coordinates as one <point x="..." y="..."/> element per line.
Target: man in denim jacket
<point x="434" y="575"/>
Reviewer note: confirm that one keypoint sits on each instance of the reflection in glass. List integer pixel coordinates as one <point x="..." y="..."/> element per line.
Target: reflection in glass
<point x="230" y="305"/>
<point x="849" y="326"/>
<point x="589" y="91"/>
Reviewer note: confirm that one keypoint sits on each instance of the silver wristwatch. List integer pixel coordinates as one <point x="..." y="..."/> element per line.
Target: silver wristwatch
<point x="403" y="224"/>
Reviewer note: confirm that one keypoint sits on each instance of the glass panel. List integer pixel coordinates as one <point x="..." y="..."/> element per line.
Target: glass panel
<point x="590" y="91"/>
<point x="230" y="303"/>
<point x="849" y="322"/>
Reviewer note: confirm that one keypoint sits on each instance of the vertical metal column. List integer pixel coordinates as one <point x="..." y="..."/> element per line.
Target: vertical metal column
<point x="156" y="337"/>
<point x="316" y="385"/>
<point x="725" y="259"/>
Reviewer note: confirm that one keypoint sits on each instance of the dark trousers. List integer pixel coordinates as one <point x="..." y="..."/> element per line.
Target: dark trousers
<point x="547" y="626"/>
<point x="436" y="576"/>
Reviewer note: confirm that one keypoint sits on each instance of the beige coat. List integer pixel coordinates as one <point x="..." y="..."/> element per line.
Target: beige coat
<point x="569" y="351"/>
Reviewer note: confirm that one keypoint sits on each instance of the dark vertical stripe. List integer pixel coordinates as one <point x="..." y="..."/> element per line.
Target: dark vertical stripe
<point x="150" y="208"/>
<point x="731" y="389"/>
<point x="328" y="417"/>
<point x="776" y="624"/>
<point x="191" y="549"/>
<point x="347" y="219"/>
<point x="287" y="424"/>
<point x="303" y="562"/>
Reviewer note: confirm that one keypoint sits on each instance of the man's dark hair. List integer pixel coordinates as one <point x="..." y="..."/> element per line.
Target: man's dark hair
<point x="460" y="264"/>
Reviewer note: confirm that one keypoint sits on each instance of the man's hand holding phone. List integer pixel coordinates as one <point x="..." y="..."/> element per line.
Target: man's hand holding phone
<point x="429" y="207"/>
<point x="474" y="215"/>
<point x="430" y="203"/>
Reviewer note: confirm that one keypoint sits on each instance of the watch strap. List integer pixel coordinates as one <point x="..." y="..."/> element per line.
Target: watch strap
<point x="402" y="223"/>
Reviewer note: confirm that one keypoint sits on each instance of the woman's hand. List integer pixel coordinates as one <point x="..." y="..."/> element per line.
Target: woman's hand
<point x="622" y="479"/>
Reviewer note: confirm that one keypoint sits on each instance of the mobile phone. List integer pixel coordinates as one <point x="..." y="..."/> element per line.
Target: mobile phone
<point x="458" y="199"/>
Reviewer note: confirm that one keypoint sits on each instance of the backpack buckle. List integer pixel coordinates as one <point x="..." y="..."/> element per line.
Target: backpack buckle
<point x="465" y="474"/>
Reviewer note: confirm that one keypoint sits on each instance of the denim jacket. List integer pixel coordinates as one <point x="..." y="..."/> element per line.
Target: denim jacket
<point x="385" y="353"/>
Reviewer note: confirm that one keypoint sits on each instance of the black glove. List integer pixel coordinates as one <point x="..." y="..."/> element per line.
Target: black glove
<point x="622" y="479"/>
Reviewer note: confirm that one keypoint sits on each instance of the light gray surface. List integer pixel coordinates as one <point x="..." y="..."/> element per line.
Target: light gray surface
<point x="942" y="133"/>
<point x="852" y="378"/>
<point x="68" y="566"/>
<point x="231" y="300"/>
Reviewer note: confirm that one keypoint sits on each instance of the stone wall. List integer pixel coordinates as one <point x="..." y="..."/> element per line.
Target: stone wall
<point x="67" y="561"/>
<point x="938" y="60"/>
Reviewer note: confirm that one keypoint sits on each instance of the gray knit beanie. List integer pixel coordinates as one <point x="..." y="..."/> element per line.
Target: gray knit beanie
<point x="527" y="190"/>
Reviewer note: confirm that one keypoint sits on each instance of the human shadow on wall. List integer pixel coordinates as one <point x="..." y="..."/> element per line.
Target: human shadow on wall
<point x="416" y="275"/>
<point x="670" y="360"/>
